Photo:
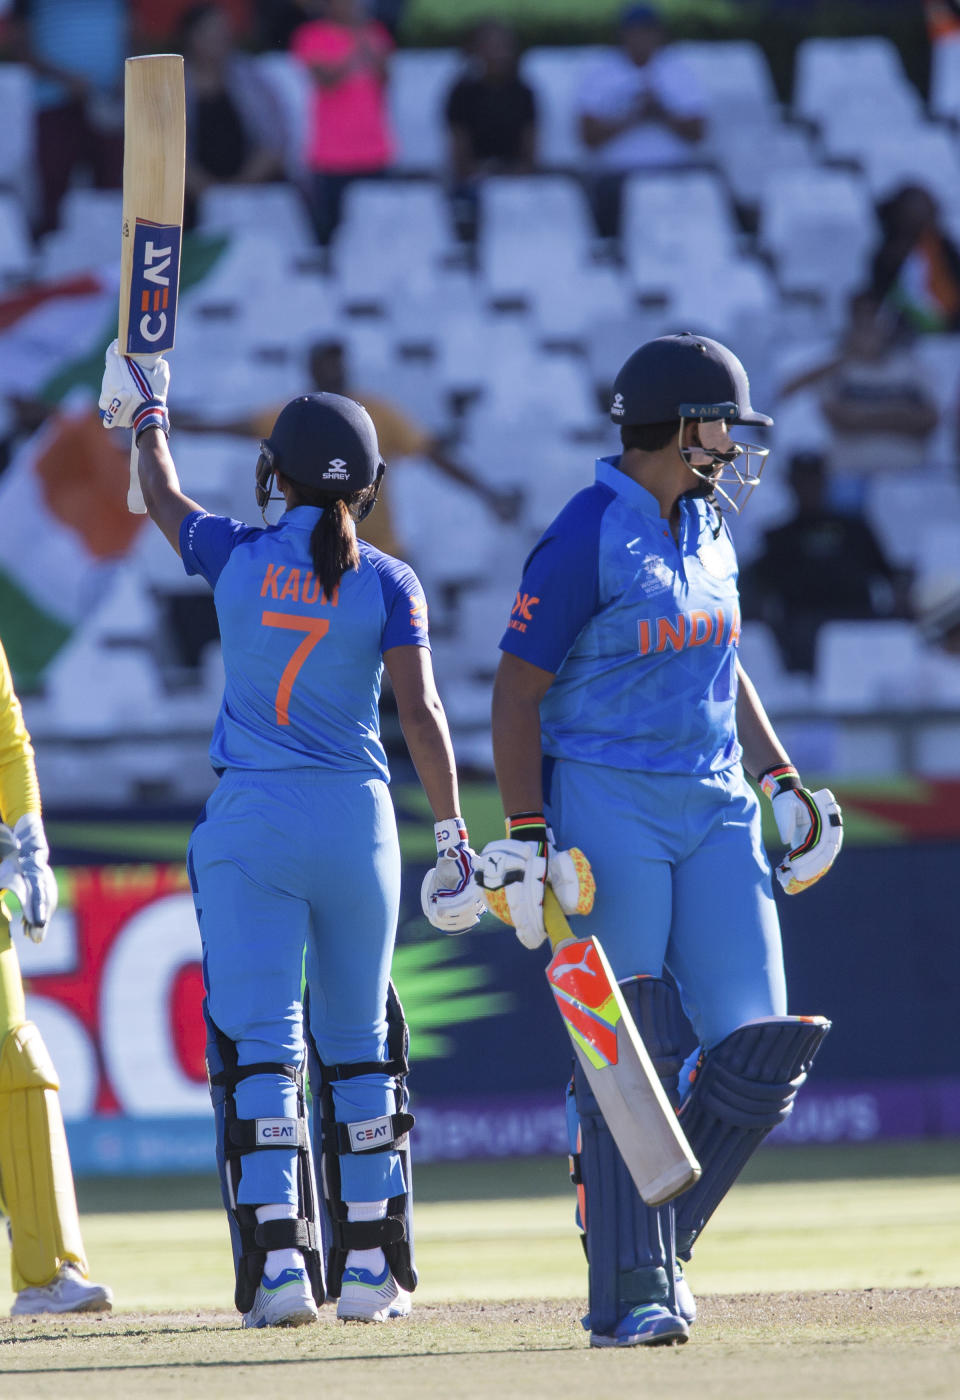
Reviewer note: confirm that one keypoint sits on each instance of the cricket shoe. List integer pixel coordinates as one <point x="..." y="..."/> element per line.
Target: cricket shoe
<point x="366" y="1298"/>
<point x="647" y="1325"/>
<point x="686" y="1303"/>
<point x="68" y="1291"/>
<point x="284" y="1301"/>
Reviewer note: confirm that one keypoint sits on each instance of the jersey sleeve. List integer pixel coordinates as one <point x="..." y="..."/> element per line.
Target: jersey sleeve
<point x="19" y="792"/>
<point x="560" y="588"/>
<point x="405" y="624"/>
<point x="207" y="541"/>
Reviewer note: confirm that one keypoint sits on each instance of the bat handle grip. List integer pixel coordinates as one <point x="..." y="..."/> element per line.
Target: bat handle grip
<point x="135" y="502"/>
<point x="554" y="920"/>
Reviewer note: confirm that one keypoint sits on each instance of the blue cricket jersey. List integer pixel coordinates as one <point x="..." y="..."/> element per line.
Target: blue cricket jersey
<point x="641" y="631"/>
<point x="302" y="670"/>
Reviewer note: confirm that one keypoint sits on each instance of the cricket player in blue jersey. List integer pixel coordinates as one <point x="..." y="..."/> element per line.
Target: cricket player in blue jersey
<point x="622" y="724"/>
<point x="295" y="863"/>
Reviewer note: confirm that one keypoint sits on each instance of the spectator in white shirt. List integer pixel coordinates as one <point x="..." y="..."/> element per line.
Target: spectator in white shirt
<point x="640" y="108"/>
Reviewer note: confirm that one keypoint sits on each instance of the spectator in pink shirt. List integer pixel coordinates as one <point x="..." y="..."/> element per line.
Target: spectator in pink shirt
<point x="347" y="56"/>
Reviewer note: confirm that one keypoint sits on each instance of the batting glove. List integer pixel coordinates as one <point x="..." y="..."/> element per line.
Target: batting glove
<point x="25" y="872"/>
<point x="134" y="392"/>
<point x="513" y="873"/>
<point x="810" y="826"/>
<point x="448" y="895"/>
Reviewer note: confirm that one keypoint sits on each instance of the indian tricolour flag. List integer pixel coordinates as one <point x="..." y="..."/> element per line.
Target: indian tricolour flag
<point x="64" y="524"/>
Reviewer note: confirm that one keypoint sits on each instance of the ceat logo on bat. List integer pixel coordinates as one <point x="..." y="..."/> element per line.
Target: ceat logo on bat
<point x="153" y="287"/>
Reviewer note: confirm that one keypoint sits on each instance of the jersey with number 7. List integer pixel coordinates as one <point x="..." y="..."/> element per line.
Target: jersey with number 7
<point x="302" y="670"/>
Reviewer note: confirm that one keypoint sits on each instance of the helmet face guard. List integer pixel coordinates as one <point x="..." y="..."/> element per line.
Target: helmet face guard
<point x="731" y="473"/>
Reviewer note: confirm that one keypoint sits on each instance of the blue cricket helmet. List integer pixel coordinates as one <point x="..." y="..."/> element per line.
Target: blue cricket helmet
<point x="683" y="376"/>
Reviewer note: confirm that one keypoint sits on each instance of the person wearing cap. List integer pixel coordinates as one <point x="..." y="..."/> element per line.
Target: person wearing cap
<point x="623" y="724"/>
<point x="294" y="862"/>
<point x="639" y="107"/>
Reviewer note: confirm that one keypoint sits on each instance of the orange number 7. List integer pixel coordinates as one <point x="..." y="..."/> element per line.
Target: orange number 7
<point x="315" y="628"/>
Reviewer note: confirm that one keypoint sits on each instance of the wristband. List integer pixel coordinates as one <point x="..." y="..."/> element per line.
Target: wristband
<point x="528" y="826"/>
<point x="153" y="414"/>
<point x="449" y="834"/>
<point x="781" y="777"/>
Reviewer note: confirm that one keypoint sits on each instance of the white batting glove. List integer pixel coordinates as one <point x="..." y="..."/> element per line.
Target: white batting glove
<point x="512" y="873"/>
<point x="25" y="872"/>
<point x="810" y="826"/>
<point x="448" y="895"/>
<point x="134" y="392"/>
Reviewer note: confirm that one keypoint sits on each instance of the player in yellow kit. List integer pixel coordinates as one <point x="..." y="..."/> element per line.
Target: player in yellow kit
<point x="49" y="1270"/>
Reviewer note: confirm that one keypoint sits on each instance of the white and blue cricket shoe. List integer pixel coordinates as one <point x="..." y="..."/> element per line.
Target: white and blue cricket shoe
<point x="365" y="1297"/>
<point x="284" y="1301"/>
<point x="647" y="1325"/>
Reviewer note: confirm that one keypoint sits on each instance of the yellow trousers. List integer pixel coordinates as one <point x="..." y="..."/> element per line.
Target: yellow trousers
<point x="36" y="1182"/>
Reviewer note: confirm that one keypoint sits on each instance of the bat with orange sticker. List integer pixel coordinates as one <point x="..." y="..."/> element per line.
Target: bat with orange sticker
<point x="616" y="1063"/>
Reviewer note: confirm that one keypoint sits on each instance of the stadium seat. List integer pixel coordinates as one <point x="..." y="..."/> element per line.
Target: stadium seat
<point x="16" y="251"/>
<point x="290" y="84"/>
<point x="901" y="507"/>
<point x="89" y="234"/>
<point x="16" y="148"/>
<point x="746" y="148"/>
<point x="675" y="219"/>
<point x="390" y="230"/>
<point x="733" y="71"/>
<point x="555" y="74"/>
<point x="819" y="226"/>
<point x="829" y="70"/>
<point x="535" y="232"/>
<point x="419" y="82"/>
<point x="855" y="128"/>
<point x="864" y="666"/>
<point x="945" y="79"/>
<point x="277" y="212"/>
<point x="928" y="155"/>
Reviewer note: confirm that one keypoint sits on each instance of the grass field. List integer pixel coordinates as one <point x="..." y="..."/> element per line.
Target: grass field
<point x="838" y="1270"/>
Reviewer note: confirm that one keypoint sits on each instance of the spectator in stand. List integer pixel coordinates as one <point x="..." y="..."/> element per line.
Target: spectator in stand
<point x="234" y="123"/>
<point x="491" y="118"/>
<point x="916" y="270"/>
<point x="158" y="21"/>
<point x="874" y="397"/>
<point x="76" y="52"/>
<point x="943" y="20"/>
<point x="640" y="107"/>
<point x="398" y="436"/>
<point x="347" y="56"/>
<point x="821" y="565"/>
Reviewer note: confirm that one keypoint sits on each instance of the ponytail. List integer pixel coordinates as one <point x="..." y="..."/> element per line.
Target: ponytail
<point x="333" y="545"/>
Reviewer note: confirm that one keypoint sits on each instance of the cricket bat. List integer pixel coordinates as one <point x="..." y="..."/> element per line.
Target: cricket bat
<point x="154" y="140"/>
<point x="616" y="1063"/>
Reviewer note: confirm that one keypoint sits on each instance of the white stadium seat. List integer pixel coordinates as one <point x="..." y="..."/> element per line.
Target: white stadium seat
<point x="277" y="212"/>
<point x="555" y="74"/>
<point x="830" y="70"/>
<point x="733" y="71"/>
<point x="819" y="225"/>
<point x="678" y="219"/>
<point x="535" y="232"/>
<point x="418" y="85"/>
<point x="864" y="666"/>
<point x="291" y="86"/>
<point x="16" y="250"/>
<point x="16" y="148"/>
<point x="945" y="79"/>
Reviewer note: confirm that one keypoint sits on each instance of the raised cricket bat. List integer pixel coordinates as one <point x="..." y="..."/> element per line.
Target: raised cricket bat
<point x="616" y="1063"/>
<point x="154" y="138"/>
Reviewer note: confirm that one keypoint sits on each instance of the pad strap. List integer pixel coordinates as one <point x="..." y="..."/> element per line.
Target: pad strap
<point x="334" y="1074"/>
<point x="368" y="1234"/>
<point x="286" y="1234"/>
<point x="255" y="1134"/>
<point x="371" y="1134"/>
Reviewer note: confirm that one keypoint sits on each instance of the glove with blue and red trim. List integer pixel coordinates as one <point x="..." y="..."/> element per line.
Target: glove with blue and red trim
<point x="810" y="826"/>
<point x="134" y="392"/>
<point x="448" y="896"/>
